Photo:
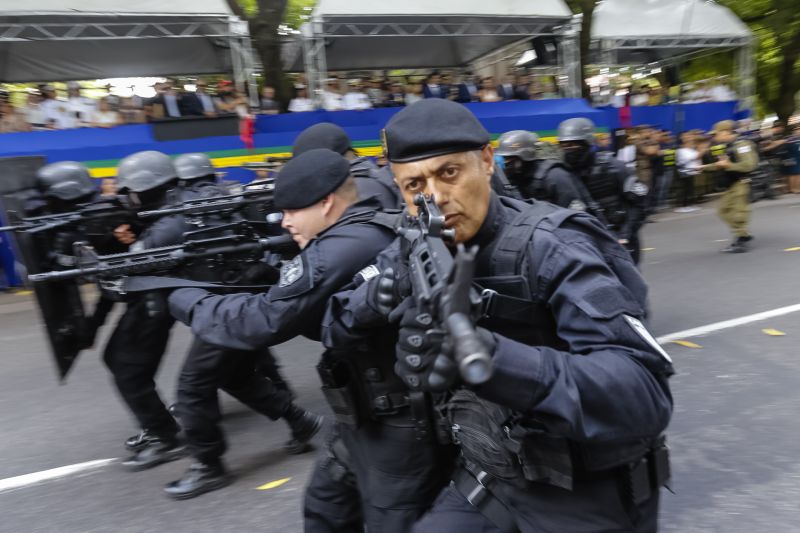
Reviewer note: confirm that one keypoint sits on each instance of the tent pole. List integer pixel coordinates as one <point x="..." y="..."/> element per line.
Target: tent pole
<point x="314" y="52"/>
<point x="570" y="57"/>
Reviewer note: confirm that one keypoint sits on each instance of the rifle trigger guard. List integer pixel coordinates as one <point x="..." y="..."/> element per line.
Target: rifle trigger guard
<point x="487" y="302"/>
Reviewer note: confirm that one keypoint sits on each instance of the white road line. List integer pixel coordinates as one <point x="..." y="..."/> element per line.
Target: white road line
<point x="12" y="483"/>
<point x="726" y="324"/>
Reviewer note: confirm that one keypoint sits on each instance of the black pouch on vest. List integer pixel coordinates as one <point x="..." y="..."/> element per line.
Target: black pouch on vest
<point x="337" y="386"/>
<point x="477" y="427"/>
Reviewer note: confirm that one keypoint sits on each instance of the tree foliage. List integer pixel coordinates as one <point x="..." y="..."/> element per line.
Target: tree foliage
<point x="776" y="25"/>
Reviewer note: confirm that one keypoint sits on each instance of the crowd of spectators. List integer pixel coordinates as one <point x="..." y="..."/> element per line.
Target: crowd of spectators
<point x="652" y="94"/>
<point x="45" y="109"/>
<point x="365" y="93"/>
<point x="677" y="170"/>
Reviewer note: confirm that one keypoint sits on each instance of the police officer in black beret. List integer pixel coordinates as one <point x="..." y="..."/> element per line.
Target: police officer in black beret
<point x="565" y="436"/>
<point x="338" y="234"/>
<point x="370" y="180"/>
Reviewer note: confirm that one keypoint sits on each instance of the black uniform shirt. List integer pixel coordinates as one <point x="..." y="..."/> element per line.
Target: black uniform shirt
<point x="295" y="305"/>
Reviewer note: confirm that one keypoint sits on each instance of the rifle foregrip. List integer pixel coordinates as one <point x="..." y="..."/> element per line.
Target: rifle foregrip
<point x="474" y="361"/>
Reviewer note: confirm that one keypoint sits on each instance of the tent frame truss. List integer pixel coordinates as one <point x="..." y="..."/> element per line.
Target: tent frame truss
<point x="231" y="30"/>
<point x="744" y="69"/>
<point x="318" y="31"/>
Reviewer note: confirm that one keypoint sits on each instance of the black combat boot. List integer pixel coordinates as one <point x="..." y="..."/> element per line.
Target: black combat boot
<point x="156" y="451"/>
<point x="199" y="479"/>
<point x="738" y="246"/>
<point x="304" y="425"/>
<point x="138" y="441"/>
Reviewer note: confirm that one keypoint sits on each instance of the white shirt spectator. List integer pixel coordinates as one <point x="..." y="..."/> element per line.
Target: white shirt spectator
<point x="57" y="113"/>
<point x="35" y="115"/>
<point x="356" y="101"/>
<point x="640" y="99"/>
<point x="687" y="159"/>
<point x="332" y="101"/>
<point x="104" y="118"/>
<point x="298" y="105"/>
<point x="79" y="109"/>
<point x="721" y="93"/>
<point x="628" y="156"/>
<point x="412" y="98"/>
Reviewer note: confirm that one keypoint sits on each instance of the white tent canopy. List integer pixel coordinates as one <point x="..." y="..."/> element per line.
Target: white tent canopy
<point x="365" y="34"/>
<point x="666" y="27"/>
<point x="50" y="40"/>
<point x="648" y="31"/>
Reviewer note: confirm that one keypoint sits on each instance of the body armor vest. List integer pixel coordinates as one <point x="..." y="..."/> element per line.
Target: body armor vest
<point x="603" y="185"/>
<point x="515" y="311"/>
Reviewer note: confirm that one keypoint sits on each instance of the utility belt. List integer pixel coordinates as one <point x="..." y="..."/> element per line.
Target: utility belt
<point x="638" y="481"/>
<point x="357" y="392"/>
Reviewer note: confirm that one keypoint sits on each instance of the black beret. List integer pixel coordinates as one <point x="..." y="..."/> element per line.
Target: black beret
<point x="322" y="135"/>
<point x="310" y="177"/>
<point x="430" y="128"/>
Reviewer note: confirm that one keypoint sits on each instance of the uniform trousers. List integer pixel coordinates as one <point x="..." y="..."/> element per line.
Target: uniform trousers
<point x="734" y="208"/>
<point x="591" y="507"/>
<point x="378" y="476"/>
<point x="133" y="354"/>
<point x="209" y="368"/>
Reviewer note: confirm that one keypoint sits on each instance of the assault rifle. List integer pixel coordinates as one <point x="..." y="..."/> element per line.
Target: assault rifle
<point x="258" y="193"/>
<point x="441" y="286"/>
<point x="85" y="213"/>
<point x="222" y="258"/>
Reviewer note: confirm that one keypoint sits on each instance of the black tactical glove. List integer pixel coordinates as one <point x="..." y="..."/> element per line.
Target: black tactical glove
<point x="388" y="289"/>
<point x="423" y="360"/>
<point x="260" y="273"/>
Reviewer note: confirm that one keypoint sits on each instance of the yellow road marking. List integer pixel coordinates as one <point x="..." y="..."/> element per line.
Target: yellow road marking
<point x="773" y="332"/>
<point x="794" y="249"/>
<point x="273" y="484"/>
<point x="648" y="249"/>
<point x="687" y="344"/>
<point x="23" y="293"/>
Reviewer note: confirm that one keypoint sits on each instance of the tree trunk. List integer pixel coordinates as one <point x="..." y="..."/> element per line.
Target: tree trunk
<point x="268" y="46"/>
<point x="788" y="81"/>
<point x="264" y="30"/>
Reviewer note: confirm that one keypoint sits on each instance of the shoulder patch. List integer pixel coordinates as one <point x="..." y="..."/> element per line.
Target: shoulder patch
<point x="640" y="330"/>
<point x="369" y="272"/>
<point x="577" y="205"/>
<point x="291" y="271"/>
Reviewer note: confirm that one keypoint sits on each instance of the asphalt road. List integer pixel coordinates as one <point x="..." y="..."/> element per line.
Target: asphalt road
<point x="734" y="433"/>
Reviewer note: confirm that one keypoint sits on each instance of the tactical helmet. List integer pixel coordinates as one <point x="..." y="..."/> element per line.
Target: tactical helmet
<point x="65" y="180"/>
<point x="192" y="166"/>
<point x="518" y="143"/>
<point x="144" y="171"/>
<point x="576" y="129"/>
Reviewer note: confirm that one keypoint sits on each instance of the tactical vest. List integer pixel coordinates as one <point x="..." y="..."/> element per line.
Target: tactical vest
<point x="361" y="384"/>
<point x="718" y="150"/>
<point x="508" y="444"/>
<point x="536" y="188"/>
<point x="669" y="157"/>
<point x="731" y="176"/>
<point x="603" y="185"/>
